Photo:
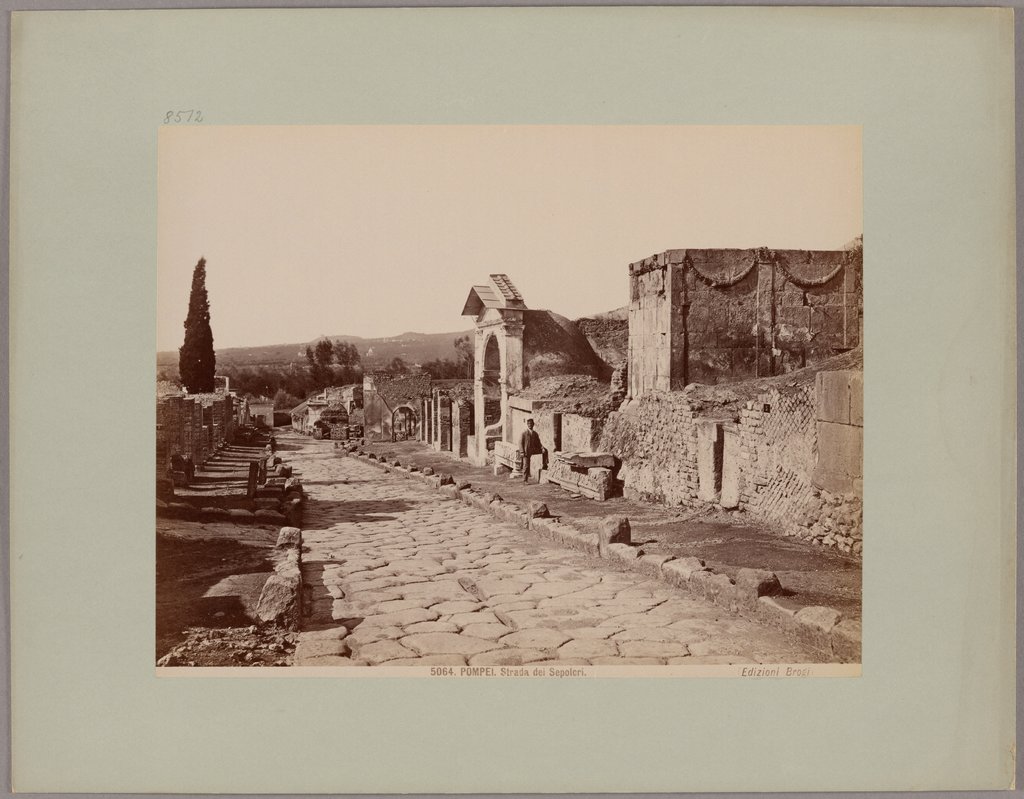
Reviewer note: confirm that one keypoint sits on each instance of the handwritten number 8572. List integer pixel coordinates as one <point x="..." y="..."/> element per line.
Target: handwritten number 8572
<point x="183" y="116"/>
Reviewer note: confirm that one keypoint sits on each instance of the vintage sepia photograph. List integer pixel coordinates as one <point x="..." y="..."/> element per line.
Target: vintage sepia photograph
<point x="509" y="401"/>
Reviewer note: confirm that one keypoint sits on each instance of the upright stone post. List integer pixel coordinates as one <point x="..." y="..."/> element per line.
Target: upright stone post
<point x="710" y="444"/>
<point x="254" y="473"/>
<point x="730" y="468"/>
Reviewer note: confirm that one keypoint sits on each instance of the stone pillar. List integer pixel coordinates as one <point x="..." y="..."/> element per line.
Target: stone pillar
<point x="445" y="419"/>
<point x="710" y="446"/>
<point x="511" y="367"/>
<point x="479" y="452"/>
<point x="731" y="477"/>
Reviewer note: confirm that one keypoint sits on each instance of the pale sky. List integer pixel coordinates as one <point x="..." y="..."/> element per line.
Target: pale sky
<point x="377" y="230"/>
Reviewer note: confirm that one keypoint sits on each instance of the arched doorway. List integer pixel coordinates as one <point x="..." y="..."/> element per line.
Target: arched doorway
<point x="403" y="424"/>
<point x="491" y="380"/>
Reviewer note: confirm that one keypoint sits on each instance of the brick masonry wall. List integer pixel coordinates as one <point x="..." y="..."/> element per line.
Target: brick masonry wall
<point x="777" y="453"/>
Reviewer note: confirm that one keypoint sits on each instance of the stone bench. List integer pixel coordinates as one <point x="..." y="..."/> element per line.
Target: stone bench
<point x="507" y="458"/>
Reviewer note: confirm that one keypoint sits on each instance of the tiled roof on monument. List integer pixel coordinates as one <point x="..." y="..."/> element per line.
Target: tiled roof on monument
<point x="499" y="293"/>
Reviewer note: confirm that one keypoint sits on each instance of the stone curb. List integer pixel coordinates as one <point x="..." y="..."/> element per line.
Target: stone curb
<point x="751" y="595"/>
<point x="280" y="600"/>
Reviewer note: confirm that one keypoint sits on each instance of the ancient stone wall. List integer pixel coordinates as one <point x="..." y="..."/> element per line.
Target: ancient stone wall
<point x="713" y="316"/>
<point x="791" y="457"/>
<point x="384" y="393"/>
<point x="656" y="441"/>
<point x="192" y="427"/>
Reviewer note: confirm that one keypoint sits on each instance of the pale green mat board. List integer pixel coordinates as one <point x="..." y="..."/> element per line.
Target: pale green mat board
<point x="933" y="90"/>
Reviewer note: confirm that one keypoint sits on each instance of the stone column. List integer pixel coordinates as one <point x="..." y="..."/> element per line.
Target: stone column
<point x="511" y="367"/>
<point x="480" y="455"/>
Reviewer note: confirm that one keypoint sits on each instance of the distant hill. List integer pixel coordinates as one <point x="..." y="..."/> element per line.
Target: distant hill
<point x="375" y="352"/>
<point x="607" y="332"/>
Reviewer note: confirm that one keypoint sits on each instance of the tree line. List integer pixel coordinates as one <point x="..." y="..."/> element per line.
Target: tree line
<point x="328" y="363"/>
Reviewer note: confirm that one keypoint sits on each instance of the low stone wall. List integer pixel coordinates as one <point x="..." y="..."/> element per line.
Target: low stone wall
<point x="656" y="440"/>
<point x="791" y="457"/>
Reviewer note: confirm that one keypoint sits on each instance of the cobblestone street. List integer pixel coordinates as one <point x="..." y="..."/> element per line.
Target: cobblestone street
<point x="397" y="575"/>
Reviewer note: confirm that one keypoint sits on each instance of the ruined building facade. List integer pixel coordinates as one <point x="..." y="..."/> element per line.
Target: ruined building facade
<point x="517" y="347"/>
<point x="713" y="316"/>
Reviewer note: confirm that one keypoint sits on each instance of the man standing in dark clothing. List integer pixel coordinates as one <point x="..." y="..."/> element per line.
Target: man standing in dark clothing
<point x="529" y="444"/>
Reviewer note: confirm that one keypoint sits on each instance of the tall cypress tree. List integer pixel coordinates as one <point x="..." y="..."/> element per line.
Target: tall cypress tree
<point x="196" y="361"/>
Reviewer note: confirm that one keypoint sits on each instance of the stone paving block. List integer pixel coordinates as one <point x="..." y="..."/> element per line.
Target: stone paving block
<point x="509" y="586"/>
<point x="652" y="649"/>
<point x="400" y="618"/>
<point x="326" y="634"/>
<point x="535" y="638"/>
<point x="314" y="648"/>
<point x="554" y="588"/>
<point x="380" y="651"/>
<point x="587" y="648"/>
<point x="489" y="631"/>
<point x="591" y="633"/>
<point x="511" y="605"/>
<point x="663" y="635"/>
<point x="439" y="590"/>
<point x="473" y="617"/>
<point x="456" y="606"/>
<point x="447" y="644"/>
<point x="506" y="657"/>
<point x="396" y="605"/>
<point x="428" y="660"/>
<point x="332" y="661"/>
<point x="368" y="635"/>
<point x="432" y="627"/>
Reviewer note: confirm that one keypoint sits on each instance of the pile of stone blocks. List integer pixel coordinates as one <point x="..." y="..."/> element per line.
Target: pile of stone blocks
<point x="589" y="474"/>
